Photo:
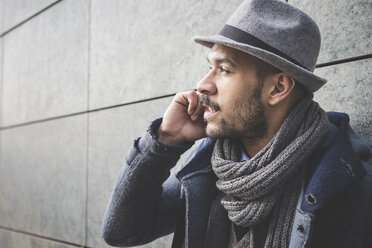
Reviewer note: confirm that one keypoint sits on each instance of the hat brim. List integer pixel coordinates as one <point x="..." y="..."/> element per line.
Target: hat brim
<point x="308" y="79"/>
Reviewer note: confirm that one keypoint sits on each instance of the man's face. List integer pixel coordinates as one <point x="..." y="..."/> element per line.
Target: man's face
<point x="232" y="96"/>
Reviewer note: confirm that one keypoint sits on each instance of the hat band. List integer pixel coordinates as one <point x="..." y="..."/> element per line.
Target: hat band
<point x="241" y="36"/>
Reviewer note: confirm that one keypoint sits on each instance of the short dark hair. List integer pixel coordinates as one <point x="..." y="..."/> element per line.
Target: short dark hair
<point x="264" y="69"/>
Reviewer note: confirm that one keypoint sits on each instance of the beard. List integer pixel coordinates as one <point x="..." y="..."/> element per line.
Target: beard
<point x="245" y="121"/>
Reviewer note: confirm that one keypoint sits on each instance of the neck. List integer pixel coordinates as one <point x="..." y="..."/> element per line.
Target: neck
<point x="252" y="148"/>
<point x="274" y="116"/>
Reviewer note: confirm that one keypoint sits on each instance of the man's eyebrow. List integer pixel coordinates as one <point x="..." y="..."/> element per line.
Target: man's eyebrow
<point x="222" y="60"/>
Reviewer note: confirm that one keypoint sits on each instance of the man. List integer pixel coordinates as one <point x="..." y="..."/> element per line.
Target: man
<point x="274" y="170"/>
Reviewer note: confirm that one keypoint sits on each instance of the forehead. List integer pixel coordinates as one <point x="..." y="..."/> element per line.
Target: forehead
<point x="237" y="57"/>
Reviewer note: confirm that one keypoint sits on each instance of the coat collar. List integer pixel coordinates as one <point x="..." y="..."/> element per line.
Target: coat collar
<point x="200" y="162"/>
<point x="336" y="167"/>
<point x="198" y="182"/>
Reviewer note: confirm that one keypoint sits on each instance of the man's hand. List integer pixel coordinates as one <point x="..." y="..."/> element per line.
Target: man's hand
<point x="183" y="120"/>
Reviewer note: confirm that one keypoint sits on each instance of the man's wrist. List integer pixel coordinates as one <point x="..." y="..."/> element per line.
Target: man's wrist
<point x="171" y="144"/>
<point x="167" y="139"/>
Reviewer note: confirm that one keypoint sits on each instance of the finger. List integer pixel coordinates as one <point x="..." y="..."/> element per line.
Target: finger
<point x="199" y="109"/>
<point x="192" y="98"/>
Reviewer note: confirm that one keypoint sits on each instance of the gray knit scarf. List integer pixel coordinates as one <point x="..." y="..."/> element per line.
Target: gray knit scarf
<point x="271" y="181"/>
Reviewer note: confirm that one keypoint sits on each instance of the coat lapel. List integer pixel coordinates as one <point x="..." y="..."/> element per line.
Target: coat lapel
<point x="198" y="182"/>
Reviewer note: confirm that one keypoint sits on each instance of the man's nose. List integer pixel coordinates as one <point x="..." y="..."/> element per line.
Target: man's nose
<point x="207" y="85"/>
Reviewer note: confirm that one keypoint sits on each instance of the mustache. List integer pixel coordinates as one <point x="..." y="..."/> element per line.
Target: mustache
<point x="207" y="102"/>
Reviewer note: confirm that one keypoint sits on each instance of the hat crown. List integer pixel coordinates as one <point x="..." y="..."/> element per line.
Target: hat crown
<point x="282" y="27"/>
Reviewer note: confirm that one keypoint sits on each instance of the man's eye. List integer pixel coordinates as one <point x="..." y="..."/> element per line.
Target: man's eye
<point x="222" y="69"/>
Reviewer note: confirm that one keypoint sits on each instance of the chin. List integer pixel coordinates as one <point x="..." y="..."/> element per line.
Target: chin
<point x="209" y="130"/>
<point x="212" y="131"/>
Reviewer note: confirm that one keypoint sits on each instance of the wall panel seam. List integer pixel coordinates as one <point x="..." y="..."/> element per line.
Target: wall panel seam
<point x="1" y="90"/>
<point x="28" y="18"/>
<point x="1" y="79"/>
<point x="34" y="235"/>
<point x="336" y="62"/>
<point x="83" y="112"/>
<point x="343" y="61"/>
<point x="88" y="127"/>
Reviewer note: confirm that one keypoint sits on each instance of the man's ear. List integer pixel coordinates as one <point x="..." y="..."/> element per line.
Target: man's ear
<point x="281" y="87"/>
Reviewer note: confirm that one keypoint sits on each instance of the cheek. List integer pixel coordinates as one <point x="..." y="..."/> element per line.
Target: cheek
<point x="234" y="89"/>
<point x="233" y="99"/>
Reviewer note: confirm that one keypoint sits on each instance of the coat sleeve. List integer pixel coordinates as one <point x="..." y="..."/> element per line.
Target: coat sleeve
<point x="146" y="199"/>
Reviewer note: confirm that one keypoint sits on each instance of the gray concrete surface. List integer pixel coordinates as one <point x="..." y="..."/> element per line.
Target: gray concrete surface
<point x="349" y="90"/>
<point x="43" y="178"/>
<point x="1" y="15"/>
<point x="16" y="11"/>
<point x="1" y="76"/>
<point x="45" y="65"/>
<point x="140" y="51"/>
<point x="345" y="26"/>
<point x="11" y="239"/>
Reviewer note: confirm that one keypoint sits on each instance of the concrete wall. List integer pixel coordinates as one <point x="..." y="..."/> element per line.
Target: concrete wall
<point x="81" y="79"/>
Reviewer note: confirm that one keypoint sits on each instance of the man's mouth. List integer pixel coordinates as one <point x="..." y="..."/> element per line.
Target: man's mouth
<point x="209" y="113"/>
<point x="210" y="108"/>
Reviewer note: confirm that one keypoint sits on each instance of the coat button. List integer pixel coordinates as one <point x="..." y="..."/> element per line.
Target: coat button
<point x="301" y="229"/>
<point x="310" y="199"/>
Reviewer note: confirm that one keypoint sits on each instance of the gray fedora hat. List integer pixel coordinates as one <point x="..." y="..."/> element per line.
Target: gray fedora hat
<point x="277" y="33"/>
